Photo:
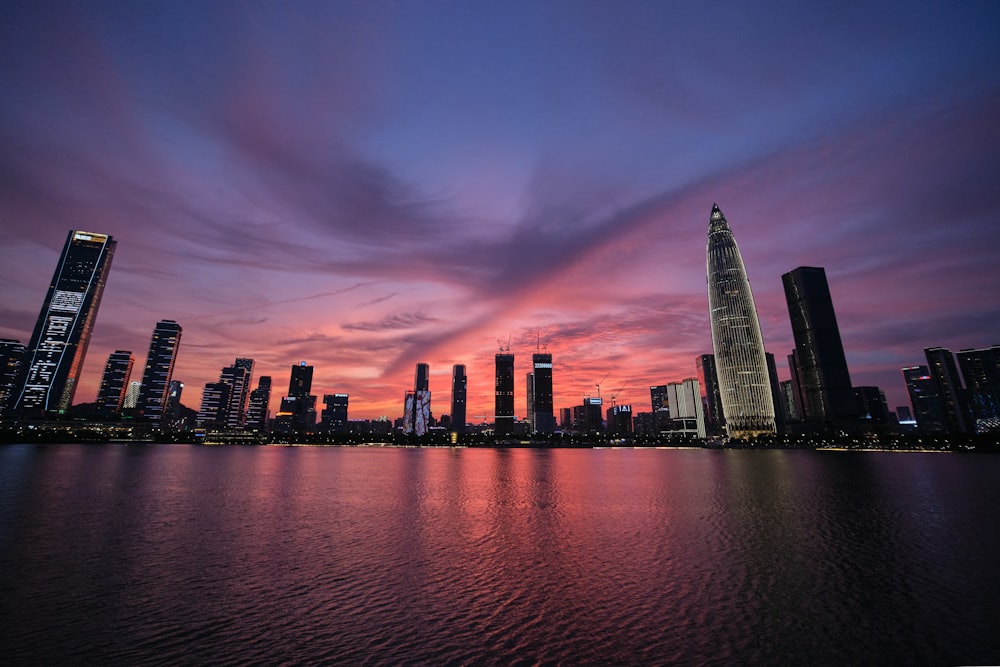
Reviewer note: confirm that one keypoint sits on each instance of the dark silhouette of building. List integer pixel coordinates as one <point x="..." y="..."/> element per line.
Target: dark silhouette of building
<point x="740" y="364"/>
<point x="55" y="354"/>
<point x="619" y="418"/>
<point x="658" y="397"/>
<point x="422" y="378"/>
<point x="941" y="364"/>
<point x="504" y="417"/>
<point x="459" y="388"/>
<point x="543" y="419"/>
<point x="981" y="370"/>
<point x="927" y="407"/>
<point x="297" y="412"/>
<point x="159" y="370"/>
<point x="825" y="382"/>
<point x="873" y="411"/>
<point x="333" y="419"/>
<point x="591" y="417"/>
<point x="417" y="403"/>
<point x="214" y="408"/>
<point x="238" y="377"/>
<point x="258" y="408"/>
<point x="172" y="413"/>
<point x="772" y="375"/>
<point x="114" y="382"/>
<point x="11" y="362"/>
<point x="708" y="381"/>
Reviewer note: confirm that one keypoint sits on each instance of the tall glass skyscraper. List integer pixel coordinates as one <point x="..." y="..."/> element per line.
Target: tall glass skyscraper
<point x="543" y="418"/>
<point x="55" y="354"/>
<point x="159" y="370"/>
<point x="114" y="382"/>
<point x="744" y="386"/>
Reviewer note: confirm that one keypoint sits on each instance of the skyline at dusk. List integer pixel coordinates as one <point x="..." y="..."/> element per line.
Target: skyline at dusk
<point x="370" y="186"/>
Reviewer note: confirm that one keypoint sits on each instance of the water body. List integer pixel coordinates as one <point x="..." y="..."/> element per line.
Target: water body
<point x="165" y="554"/>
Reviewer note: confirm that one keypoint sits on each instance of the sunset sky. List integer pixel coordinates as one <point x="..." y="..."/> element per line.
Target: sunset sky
<point x="367" y="186"/>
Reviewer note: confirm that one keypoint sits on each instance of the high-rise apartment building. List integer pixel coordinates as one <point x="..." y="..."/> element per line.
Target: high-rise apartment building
<point x="981" y="370"/>
<point x="214" y="405"/>
<point x="459" y="388"/>
<point x="297" y="412"/>
<point x="543" y="419"/>
<point x="54" y="356"/>
<point x="258" y="408"/>
<point x="11" y="362"/>
<point x="132" y="395"/>
<point x="686" y="414"/>
<point x="744" y="387"/>
<point x="504" y="388"/>
<point x="159" y="370"/>
<point x="333" y="419"/>
<point x="238" y="377"/>
<point x="825" y="383"/>
<point x="114" y="382"/>
<point x="658" y="397"/>
<point x="928" y="409"/>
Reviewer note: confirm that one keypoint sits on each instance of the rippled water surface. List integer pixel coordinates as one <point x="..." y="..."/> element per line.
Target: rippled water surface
<point x="237" y="555"/>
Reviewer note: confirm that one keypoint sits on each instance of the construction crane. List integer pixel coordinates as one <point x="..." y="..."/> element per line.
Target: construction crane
<point x="615" y="394"/>
<point x="504" y="347"/>
<point x="598" y="385"/>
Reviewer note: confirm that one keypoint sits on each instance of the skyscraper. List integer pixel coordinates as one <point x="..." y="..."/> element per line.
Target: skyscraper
<point x="544" y="419"/>
<point x="504" y="412"/>
<point x="55" y="354"/>
<point x="708" y="381"/>
<point x="417" y="403"/>
<point x="981" y="370"/>
<point x="214" y="405"/>
<point x="238" y="377"/>
<point x="658" y="397"/>
<point x="421" y="378"/>
<point x="260" y="399"/>
<point x="297" y="412"/>
<point x="459" y="387"/>
<point x="825" y="382"/>
<point x="334" y="415"/>
<point x="159" y="370"/>
<point x="114" y="382"/>
<point x="941" y="364"/>
<point x="744" y="386"/>
<point x="927" y="407"/>
<point x="11" y="361"/>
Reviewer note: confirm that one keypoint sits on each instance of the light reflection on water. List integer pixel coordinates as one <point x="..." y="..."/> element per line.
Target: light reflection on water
<point x="163" y="554"/>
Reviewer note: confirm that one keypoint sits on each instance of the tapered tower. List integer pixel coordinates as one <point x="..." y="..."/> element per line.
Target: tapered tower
<point x="740" y="363"/>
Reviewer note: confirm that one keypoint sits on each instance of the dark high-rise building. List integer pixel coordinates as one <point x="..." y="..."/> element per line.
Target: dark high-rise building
<point x="334" y="416"/>
<point x="504" y="418"/>
<point x="114" y="382"/>
<point x="459" y="387"/>
<point x="829" y="405"/>
<point x="566" y="417"/>
<point x="297" y="412"/>
<point x="941" y="364"/>
<point x="172" y="412"/>
<point x="658" y="397"/>
<point x="11" y="362"/>
<point x="619" y="418"/>
<point x="159" y="370"/>
<point x="927" y="407"/>
<point x="788" y="405"/>
<point x="529" y="395"/>
<point x="54" y="356"/>
<point x="214" y="405"/>
<point x="543" y="415"/>
<point x="772" y="375"/>
<point x="238" y="377"/>
<point x="422" y="378"/>
<point x="981" y="370"/>
<point x="300" y="382"/>
<point x="708" y="381"/>
<point x="590" y="418"/>
<point x="258" y="408"/>
<point x="740" y="364"/>
<point x="873" y="410"/>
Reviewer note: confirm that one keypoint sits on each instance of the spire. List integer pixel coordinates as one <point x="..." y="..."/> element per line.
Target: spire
<point x="717" y="221"/>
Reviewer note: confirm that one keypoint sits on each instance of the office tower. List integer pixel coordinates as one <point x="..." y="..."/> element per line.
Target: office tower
<point x="459" y="387"/>
<point x="238" y="377"/>
<point x="159" y="370"/>
<point x="739" y="349"/>
<point x="981" y="370"/>
<point x="417" y="403"/>
<point x="297" y="412"/>
<point x="786" y="390"/>
<point x="686" y="414"/>
<point x="11" y="363"/>
<point x="172" y="412"/>
<point x="903" y="413"/>
<point x="54" y="356"/>
<point x="421" y="378"/>
<point x="114" y="382"/>
<point x="941" y="364"/>
<point x="544" y="419"/>
<point x="772" y="375"/>
<point x="258" y="408"/>
<point x="591" y="418"/>
<point x="334" y="415"/>
<point x="873" y="410"/>
<point x="822" y="367"/>
<point x="565" y="417"/>
<point x="132" y="395"/>
<point x="927" y="407"/>
<point x="504" y="412"/>
<point x="711" y="402"/>
<point x="530" y="400"/>
<point x="214" y="405"/>
<point x="619" y="419"/>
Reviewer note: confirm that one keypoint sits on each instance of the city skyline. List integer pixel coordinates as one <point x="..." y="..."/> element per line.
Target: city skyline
<point x="370" y="187"/>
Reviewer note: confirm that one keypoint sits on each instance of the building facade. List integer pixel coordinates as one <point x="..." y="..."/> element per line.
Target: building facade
<point x="159" y="370"/>
<point x="981" y="370"/>
<point x="459" y="389"/>
<point x="744" y="387"/>
<point x="504" y="395"/>
<point x="543" y="419"/>
<point x="114" y="382"/>
<point x="54" y="356"/>
<point x="944" y="371"/>
<point x="928" y="410"/>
